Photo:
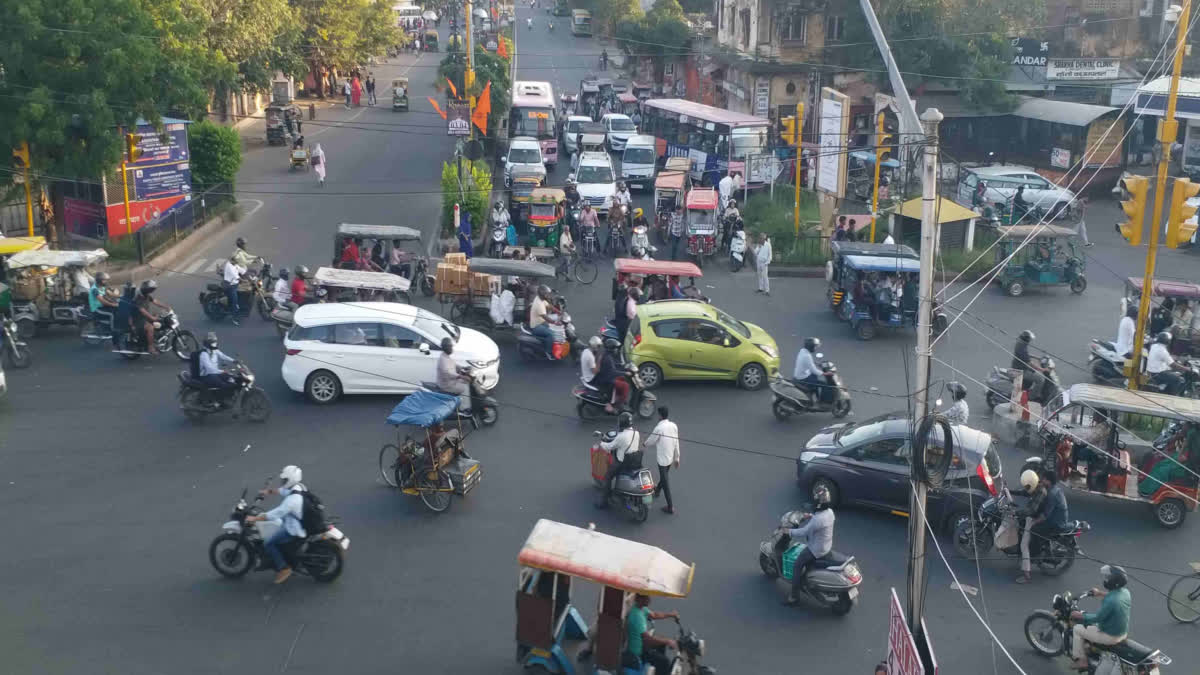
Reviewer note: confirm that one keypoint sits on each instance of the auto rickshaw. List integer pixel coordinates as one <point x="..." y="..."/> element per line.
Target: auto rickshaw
<point x="870" y="303"/>
<point x="525" y="179"/>
<point x="454" y="43"/>
<point x="49" y="287"/>
<point x="1041" y="260"/>
<point x="589" y="99"/>
<point x="549" y="624"/>
<point x="861" y="174"/>
<point x="1184" y="340"/>
<point x="277" y="128"/>
<point x="362" y="286"/>
<point x="544" y="223"/>
<point x="641" y="91"/>
<point x="400" y="93"/>
<point x="839" y="284"/>
<point x="434" y="468"/>
<point x="1142" y="460"/>
<point x="417" y="267"/>
<point x="701" y="223"/>
<point x="627" y="104"/>
<point x="429" y="42"/>
<point x="658" y="278"/>
<point x="568" y="106"/>
<point x="668" y="194"/>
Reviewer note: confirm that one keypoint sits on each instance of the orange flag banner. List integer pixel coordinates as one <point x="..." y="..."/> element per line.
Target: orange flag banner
<point x="482" y="107"/>
<point x="437" y="107"/>
<point x="502" y="50"/>
<point x="453" y="89"/>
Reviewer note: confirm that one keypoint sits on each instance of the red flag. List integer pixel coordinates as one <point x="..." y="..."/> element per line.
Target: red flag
<point x="502" y="50"/>
<point x="482" y="107"/>
<point x="495" y="14"/>
<point x="453" y="89"/>
<point x="437" y="107"/>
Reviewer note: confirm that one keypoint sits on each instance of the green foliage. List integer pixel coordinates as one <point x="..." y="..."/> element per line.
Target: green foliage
<point x="472" y="195"/>
<point x="607" y="14"/>
<point x="216" y="154"/>
<point x="247" y="39"/>
<point x="344" y="33"/>
<point x="776" y="220"/>
<point x="697" y="6"/>
<point x="660" y="33"/>
<point x="489" y="67"/>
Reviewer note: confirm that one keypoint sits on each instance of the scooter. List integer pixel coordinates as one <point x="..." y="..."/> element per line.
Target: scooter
<point x="641" y="240"/>
<point x="633" y="491"/>
<point x="241" y="548"/>
<point x="737" y="250"/>
<point x="1191" y="382"/>
<point x="498" y="240"/>
<point x="1108" y="367"/>
<point x="1000" y="384"/>
<point x="975" y="537"/>
<point x="197" y="399"/>
<point x="831" y="581"/>
<point x="14" y="348"/>
<point x="284" y="315"/>
<point x="1049" y="633"/>
<point x="484" y="410"/>
<point x="566" y="343"/>
<point x="793" y="400"/>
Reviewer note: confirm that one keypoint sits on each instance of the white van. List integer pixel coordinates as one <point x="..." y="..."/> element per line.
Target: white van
<point x="638" y="162"/>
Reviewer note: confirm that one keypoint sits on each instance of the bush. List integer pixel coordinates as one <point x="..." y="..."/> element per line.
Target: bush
<point x="216" y="154"/>
<point x="473" y="197"/>
<point x="761" y="214"/>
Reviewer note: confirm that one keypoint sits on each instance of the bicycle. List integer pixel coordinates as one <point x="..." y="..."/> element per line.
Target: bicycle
<point x="582" y="268"/>
<point x="1183" y="599"/>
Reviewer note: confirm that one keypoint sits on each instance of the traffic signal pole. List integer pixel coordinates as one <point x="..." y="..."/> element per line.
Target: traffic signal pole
<point x="878" y="159"/>
<point x="796" y="131"/>
<point x="1167" y="132"/>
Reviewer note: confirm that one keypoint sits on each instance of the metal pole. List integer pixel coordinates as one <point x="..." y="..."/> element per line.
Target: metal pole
<point x="28" y="202"/>
<point x="916" y="544"/>
<point x="469" y="76"/>
<point x="1168" y="130"/>
<point x="796" y="131"/>
<point x="878" y="159"/>
<point x="125" y="189"/>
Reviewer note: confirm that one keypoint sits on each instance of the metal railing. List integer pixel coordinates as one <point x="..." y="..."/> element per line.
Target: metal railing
<point x="176" y="224"/>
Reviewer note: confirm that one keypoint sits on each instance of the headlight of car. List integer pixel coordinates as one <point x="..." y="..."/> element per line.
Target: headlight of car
<point x="477" y="364"/>
<point x="768" y="350"/>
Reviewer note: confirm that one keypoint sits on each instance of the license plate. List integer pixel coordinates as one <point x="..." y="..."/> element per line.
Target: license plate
<point x="853" y="593"/>
<point x="647" y="499"/>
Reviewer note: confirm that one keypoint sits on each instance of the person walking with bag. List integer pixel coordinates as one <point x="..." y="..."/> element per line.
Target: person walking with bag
<point x="318" y="163"/>
<point x="665" y="439"/>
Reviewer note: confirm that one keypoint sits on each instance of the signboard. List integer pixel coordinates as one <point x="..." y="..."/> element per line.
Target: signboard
<point x="1082" y="69"/>
<point x="84" y="218"/>
<point x="164" y="180"/>
<point x="1060" y="158"/>
<point x="832" y="135"/>
<point x="156" y="150"/>
<point x="458" y="116"/>
<point x="762" y="96"/>
<point x="902" y="656"/>
<point x="1029" y="52"/>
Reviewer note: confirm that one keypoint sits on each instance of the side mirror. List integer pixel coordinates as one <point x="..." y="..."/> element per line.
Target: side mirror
<point x="819" y="355"/>
<point x="938" y="402"/>
<point x="504" y="160"/>
<point x="424" y="347"/>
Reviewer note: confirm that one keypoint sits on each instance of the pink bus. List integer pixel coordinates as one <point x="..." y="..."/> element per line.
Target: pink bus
<point x="534" y="114"/>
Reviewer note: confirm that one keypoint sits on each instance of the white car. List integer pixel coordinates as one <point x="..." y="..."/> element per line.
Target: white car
<point x="572" y="129"/>
<point x="617" y="130"/>
<point x="1003" y="181"/>
<point x="377" y="348"/>
<point x="523" y="151"/>
<point x="595" y="180"/>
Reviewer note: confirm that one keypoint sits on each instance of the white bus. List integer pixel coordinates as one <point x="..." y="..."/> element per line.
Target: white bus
<point x="406" y="15"/>
<point x="715" y="140"/>
<point x="534" y="113"/>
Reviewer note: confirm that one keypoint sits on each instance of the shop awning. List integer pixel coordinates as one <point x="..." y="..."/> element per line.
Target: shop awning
<point x="1060" y="112"/>
<point x="947" y="211"/>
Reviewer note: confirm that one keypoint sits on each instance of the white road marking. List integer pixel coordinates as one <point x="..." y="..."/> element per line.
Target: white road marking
<point x="195" y="267"/>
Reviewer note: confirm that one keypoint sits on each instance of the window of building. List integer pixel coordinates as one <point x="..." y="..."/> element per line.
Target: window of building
<point x="835" y="28"/>
<point x="794" y="27"/>
<point x="746" y="28"/>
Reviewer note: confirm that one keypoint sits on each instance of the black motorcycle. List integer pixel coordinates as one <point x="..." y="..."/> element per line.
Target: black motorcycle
<point x="591" y="401"/>
<point x="13" y="347"/>
<point x="1049" y="633"/>
<point x="215" y="301"/>
<point x="240" y="548"/>
<point x="975" y="537"/>
<point x="197" y="399"/>
<point x="169" y="336"/>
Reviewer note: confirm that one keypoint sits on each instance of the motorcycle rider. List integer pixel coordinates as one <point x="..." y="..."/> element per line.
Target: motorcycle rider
<point x="1032" y="371"/>
<point x="281" y="293"/>
<point x="143" y="319"/>
<point x="500" y="221"/>
<point x="100" y="302"/>
<point x="641" y="644"/>
<point x="211" y="360"/>
<point x="241" y="257"/>
<point x="299" y="288"/>
<point x="626" y="449"/>
<point x="1034" y="487"/>
<point x="589" y="360"/>
<point x="1162" y="366"/>
<point x="450" y="379"/>
<point x="231" y="276"/>
<point x="1126" y="330"/>
<point x="624" y="199"/>
<point x="588" y="222"/>
<point x="958" y="412"/>
<point x="539" y="321"/>
<point x="817" y="534"/>
<point x="806" y="375"/>
<point x="1110" y="625"/>
<point x="288" y="514"/>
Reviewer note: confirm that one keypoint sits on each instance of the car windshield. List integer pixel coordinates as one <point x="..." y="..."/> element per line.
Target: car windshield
<point x="436" y="328"/>
<point x="732" y="323"/>
<point x="748" y="141"/>
<point x="639" y="156"/>
<point x="594" y="174"/>
<point x="857" y="434"/>
<point x="524" y="156"/>
<point x="621" y="124"/>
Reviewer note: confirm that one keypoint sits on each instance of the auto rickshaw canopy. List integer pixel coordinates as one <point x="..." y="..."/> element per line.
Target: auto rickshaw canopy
<point x="400" y="82"/>
<point x="864" y="263"/>
<point x="361" y="279"/>
<point x="702" y="199"/>
<point x="511" y="268"/>
<point x="666" y="268"/>
<point x="844" y="248"/>
<point x="51" y="258"/>
<point x="378" y="232"/>
<point x="11" y="245"/>
<point x="1136" y="402"/>
<point x="607" y="560"/>
<point x="1023" y="232"/>
<point x="544" y="195"/>
<point x="670" y="180"/>
<point x="1165" y="288"/>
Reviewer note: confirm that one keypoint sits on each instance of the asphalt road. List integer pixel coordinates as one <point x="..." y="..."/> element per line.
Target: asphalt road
<point x="113" y="496"/>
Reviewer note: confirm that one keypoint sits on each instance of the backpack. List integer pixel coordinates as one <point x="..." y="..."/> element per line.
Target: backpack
<point x="194" y="364"/>
<point x="312" y="514"/>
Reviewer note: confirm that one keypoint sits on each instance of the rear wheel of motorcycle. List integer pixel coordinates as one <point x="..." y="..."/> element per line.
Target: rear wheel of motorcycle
<point x="229" y="556"/>
<point x="768" y="566"/>
<point x="1044" y="633"/>
<point x="192" y="405"/>
<point x="19" y="357"/>
<point x="323" y="561"/>
<point x="427" y="286"/>
<point x="184" y="345"/>
<point x="781" y="410"/>
<point x="256" y="407"/>
<point x="841" y="408"/>
<point x="26" y="328"/>
<point x="1057" y="559"/>
<point x="641" y="512"/>
<point x="968" y="541"/>
<point x="843" y="605"/>
<point x="488" y="414"/>
<point x="587" y="411"/>
<point x="264" y="309"/>
<point x="646" y="407"/>
<point x="435" y="490"/>
<point x="213" y="309"/>
<point x="127" y="347"/>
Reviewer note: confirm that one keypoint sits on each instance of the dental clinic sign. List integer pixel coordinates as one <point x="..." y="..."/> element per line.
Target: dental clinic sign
<point x="1082" y="70"/>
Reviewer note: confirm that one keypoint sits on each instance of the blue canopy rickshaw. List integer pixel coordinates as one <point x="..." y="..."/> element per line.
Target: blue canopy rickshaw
<point x="437" y="467"/>
<point x="875" y="301"/>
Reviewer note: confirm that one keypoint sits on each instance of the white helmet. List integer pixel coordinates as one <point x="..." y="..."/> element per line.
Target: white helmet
<point x="1029" y="480"/>
<point x="290" y="476"/>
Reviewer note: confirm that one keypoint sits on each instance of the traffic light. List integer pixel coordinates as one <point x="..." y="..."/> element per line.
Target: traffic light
<point x="883" y="146"/>
<point x="21" y="157"/>
<point x="1179" y="231"/>
<point x="1134" y="208"/>
<point x="789" y="130"/>
<point x="132" y="150"/>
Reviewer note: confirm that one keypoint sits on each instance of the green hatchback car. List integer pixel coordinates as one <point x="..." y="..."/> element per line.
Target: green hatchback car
<point x="693" y="340"/>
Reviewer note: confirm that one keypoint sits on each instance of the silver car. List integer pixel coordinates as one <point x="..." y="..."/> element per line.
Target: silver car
<point x="1002" y="183"/>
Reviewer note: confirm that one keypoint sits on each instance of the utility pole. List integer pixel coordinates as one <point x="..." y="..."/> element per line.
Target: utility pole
<point x="21" y="154"/>
<point x="916" y="511"/>
<point x="132" y="153"/>
<point x="799" y="125"/>
<point x="1168" y="130"/>
<point x="878" y="158"/>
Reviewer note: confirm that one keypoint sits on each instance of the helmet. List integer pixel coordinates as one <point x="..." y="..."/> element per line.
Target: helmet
<point x="1026" y="336"/>
<point x="624" y="420"/>
<point x="571" y="179"/>
<point x="210" y="340"/>
<point x="1163" y="338"/>
<point x="957" y="390"/>
<point x="301" y="271"/>
<point x="543" y="291"/>
<point x="149" y="286"/>
<point x="1114" y="576"/>
<point x="1029" y="480"/>
<point x="620" y="185"/>
<point x="733" y="203"/>
<point x="283" y="273"/>
<point x="812" y="344"/>
<point x="102" y="278"/>
<point x="240" y="243"/>
<point x="638" y="212"/>
<point x="499" y="204"/>
<point x="595" y="342"/>
<point x="322" y="292"/>
<point x="821" y="498"/>
<point x="635" y="293"/>
<point x="290" y="476"/>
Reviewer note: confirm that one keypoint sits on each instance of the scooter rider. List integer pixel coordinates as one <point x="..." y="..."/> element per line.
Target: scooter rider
<point x="817" y="534"/>
<point x="450" y="379"/>
<point x="1032" y="370"/>
<point x="1110" y="625"/>
<point x="289" y="514"/>
<point x="1162" y="366"/>
<point x="958" y="412"/>
<point x="99" y="301"/>
<point x="626" y="449"/>
<point x="211" y="360"/>
<point x="1125" y="331"/>
<point x="282" y="291"/>
<point x="806" y="374"/>
<point x="299" y="288"/>
<point x="142" y="317"/>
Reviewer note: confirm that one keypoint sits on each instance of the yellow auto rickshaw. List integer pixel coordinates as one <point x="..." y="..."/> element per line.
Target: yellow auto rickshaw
<point x="545" y="226"/>
<point x="430" y="41"/>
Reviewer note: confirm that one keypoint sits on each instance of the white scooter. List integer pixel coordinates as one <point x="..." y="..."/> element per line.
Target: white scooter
<point x="641" y="240"/>
<point x="737" y="250"/>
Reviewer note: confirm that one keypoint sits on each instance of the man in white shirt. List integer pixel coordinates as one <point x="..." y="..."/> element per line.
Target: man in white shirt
<point x="282" y="292"/>
<point x="1161" y="366"/>
<point x="290" y="516"/>
<point x="449" y="380"/>
<point x="626" y="451"/>
<point x="623" y="198"/>
<point x="725" y="188"/>
<point x="230" y="276"/>
<point x="762" y="262"/>
<point x="806" y="374"/>
<point x="665" y="439"/>
<point x="1125" y="331"/>
<point x="539" y="310"/>
<point x="588" y="364"/>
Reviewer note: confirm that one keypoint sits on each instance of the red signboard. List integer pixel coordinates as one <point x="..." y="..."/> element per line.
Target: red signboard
<point x="141" y="212"/>
<point x="903" y="658"/>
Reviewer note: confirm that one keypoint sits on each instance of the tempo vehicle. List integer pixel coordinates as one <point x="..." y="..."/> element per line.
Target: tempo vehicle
<point x="581" y="23"/>
<point x="638" y="162"/>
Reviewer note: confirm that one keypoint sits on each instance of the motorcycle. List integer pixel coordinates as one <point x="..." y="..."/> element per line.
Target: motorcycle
<point x="241" y="548"/>
<point x="633" y="491"/>
<point x="737" y="250"/>
<point x="831" y="581"/>
<point x="1108" y="367"/>
<point x="215" y="301"/>
<point x="197" y="399"/>
<point x="169" y="336"/>
<point x="484" y="410"/>
<point x="974" y="537"/>
<point x="1191" y="382"/>
<point x="1049" y="633"/>
<point x="14" y="347"/>
<point x="794" y="400"/>
<point x="591" y="401"/>
<point x="686" y="659"/>
<point x="589" y="245"/>
<point x="530" y="346"/>
<point x="1000" y="384"/>
<point x="422" y="276"/>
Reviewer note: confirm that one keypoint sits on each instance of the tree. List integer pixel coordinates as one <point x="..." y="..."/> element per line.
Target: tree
<point x="251" y="38"/>
<point x="344" y="33"/>
<point x="471" y="193"/>
<point x="661" y="33"/>
<point x="489" y="67"/>
<point x="607" y="14"/>
<point x="216" y="154"/>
